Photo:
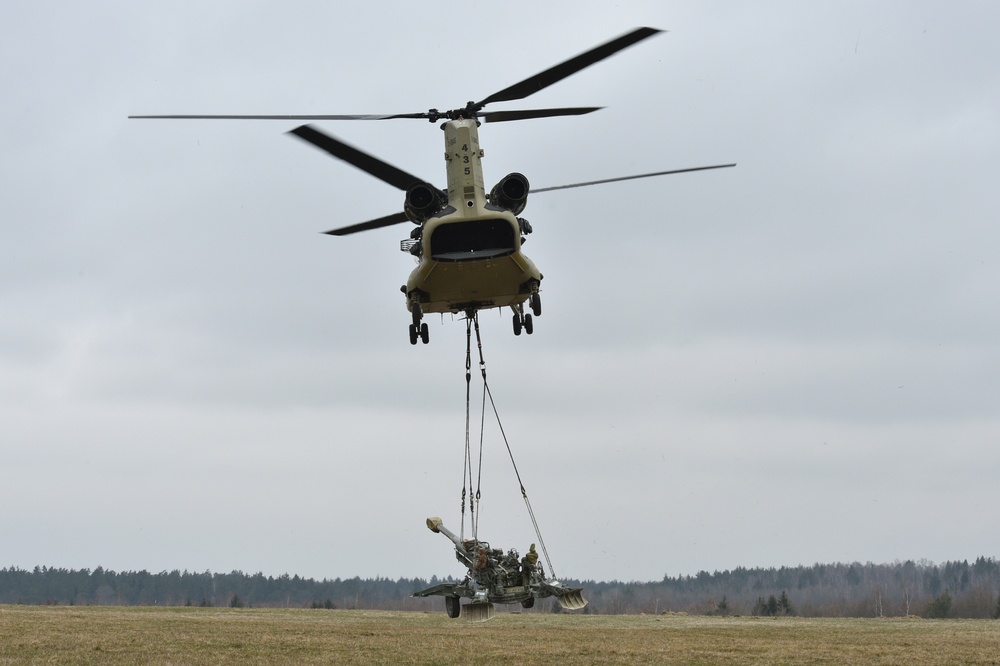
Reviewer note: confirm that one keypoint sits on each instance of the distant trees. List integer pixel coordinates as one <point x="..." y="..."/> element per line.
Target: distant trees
<point x="852" y="589"/>
<point x="773" y="606"/>
<point x="142" y="588"/>
<point x="951" y="589"/>
<point x="328" y="604"/>
<point x="939" y="607"/>
<point x="721" y="608"/>
<point x="761" y="607"/>
<point x="784" y="605"/>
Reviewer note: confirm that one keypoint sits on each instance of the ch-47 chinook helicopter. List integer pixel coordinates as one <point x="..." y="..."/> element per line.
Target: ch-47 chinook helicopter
<point x="468" y="241"/>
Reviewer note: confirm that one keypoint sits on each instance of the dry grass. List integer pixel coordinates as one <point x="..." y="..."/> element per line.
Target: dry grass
<point x="117" y="635"/>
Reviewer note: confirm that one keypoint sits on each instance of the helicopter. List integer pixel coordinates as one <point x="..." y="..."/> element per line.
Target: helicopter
<point x="468" y="241"/>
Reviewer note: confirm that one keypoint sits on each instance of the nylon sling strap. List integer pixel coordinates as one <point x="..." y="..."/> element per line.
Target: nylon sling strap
<point x="472" y="320"/>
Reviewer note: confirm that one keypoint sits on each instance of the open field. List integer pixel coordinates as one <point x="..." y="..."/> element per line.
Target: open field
<point x="128" y="635"/>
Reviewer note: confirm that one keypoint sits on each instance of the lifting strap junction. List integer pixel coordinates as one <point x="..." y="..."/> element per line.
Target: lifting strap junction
<point x="472" y="321"/>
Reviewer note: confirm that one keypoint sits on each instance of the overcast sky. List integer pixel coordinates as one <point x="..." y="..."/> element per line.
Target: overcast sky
<point x="789" y="362"/>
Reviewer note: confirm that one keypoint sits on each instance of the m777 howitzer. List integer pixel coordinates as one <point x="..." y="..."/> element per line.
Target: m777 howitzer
<point x="496" y="577"/>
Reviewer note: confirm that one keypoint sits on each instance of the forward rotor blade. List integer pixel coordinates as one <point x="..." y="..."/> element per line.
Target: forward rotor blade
<point x="328" y="117"/>
<point x="615" y="180"/>
<point x="367" y="163"/>
<point x="554" y="74"/>
<point x="386" y="221"/>
<point x="501" y="116"/>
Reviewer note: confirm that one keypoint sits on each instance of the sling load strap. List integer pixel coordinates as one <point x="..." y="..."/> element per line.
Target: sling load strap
<point x="482" y="413"/>
<point x="467" y="462"/>
<point x="474" y="492"/>
<point x="487" y="392"/>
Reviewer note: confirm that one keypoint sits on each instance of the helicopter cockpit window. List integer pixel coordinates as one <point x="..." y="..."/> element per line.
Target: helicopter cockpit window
<point x="475" y="239"/>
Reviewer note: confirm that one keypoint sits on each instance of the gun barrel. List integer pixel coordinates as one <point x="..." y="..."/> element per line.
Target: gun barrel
<point x="436" y="525"/>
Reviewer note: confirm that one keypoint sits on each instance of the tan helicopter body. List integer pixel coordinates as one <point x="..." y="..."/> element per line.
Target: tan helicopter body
<point x="468" y="242"/>
<point x="470" y="252"/>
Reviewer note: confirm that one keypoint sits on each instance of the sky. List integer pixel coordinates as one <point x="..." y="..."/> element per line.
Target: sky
<point x="788" y="362"/>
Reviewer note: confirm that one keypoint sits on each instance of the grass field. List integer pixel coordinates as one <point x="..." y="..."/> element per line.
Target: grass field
<point x="124" y="635"/>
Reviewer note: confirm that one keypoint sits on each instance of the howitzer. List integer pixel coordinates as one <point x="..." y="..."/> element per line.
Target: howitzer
<point x="495" y="577"/>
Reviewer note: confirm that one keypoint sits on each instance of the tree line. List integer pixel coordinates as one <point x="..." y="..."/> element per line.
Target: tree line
<point x="104" y="587"/>
<point x="952" y="589"/>
<point x="925" y="589"/>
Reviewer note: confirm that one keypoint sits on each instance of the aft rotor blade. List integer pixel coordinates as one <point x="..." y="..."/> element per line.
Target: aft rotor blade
<point x="369" y="116"/>
<point x="555" y="74"/>
<point x="641" y="175"/>
<point x="501" y="116"/>
<point x="367" y="163"/>
<point x="386" y="221"/>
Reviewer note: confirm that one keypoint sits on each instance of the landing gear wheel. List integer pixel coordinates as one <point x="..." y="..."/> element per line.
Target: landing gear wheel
<point x="454" y="606"/>
<point x="536" y="309"/>
<point x="526" y="603"/>
<point x="424" y="334"/>
<point x="413" y="334"/>
<point x="529" y="326"/>
<point x="517" y="324"/>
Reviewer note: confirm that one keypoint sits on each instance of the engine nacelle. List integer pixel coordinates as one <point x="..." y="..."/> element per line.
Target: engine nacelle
<point x="511" y="193"/>
<point x="422" y="201"/>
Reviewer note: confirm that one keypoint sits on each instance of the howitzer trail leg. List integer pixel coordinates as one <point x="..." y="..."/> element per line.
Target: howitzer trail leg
<point x="478" y="612"/>
<point x="572" y="599"/>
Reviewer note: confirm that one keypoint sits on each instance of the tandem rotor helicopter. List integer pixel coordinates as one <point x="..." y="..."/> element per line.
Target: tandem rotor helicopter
<point x="467" y="240"/>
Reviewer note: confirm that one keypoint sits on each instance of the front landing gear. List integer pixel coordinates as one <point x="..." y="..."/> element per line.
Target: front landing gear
<point x="418" y="329"/>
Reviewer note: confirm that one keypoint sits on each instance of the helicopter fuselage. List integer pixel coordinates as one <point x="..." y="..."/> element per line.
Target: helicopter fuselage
<point x="470" y="251"/>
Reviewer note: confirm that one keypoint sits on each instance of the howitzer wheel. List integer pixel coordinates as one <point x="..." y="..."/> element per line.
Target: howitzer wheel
<point x="527" y="603"/>
<point x="453" y="605"/>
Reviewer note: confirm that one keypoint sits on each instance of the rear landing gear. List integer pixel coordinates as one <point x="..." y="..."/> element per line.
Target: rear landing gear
<point x="418" y="329"/>
<point x="536" y="304"/>
<point x="419" y="332"/>
<point x="522" y="321"/>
